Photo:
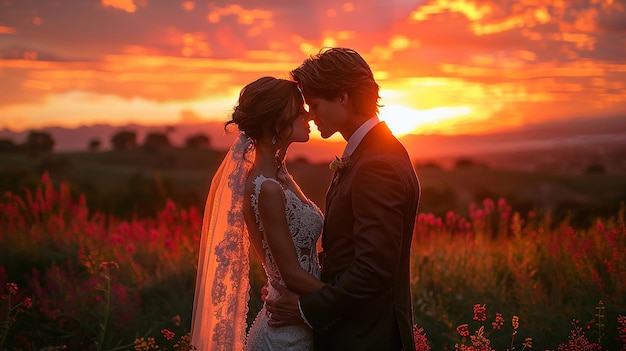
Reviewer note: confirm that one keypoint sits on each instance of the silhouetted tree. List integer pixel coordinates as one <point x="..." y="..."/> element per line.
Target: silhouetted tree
<point x="595" y="168"/>
<point x="39" y="142"/>
<point x="7" y="145"/>
<point x="429" y="165"/>
<point x="464" y="163"/>
<point x="198" y="141"/>
<point x="124" y="140"/>
<point x="156" y="141"/>
<point x="94" y="145"/>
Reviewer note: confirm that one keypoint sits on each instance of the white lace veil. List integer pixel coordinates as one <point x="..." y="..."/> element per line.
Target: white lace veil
<point x="221" y="297"/>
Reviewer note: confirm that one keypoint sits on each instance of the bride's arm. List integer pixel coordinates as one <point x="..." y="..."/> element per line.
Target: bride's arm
<point x="272" y="215"/>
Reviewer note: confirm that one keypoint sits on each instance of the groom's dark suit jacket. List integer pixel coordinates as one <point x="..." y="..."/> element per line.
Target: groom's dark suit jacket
<point x="369" y="219"/>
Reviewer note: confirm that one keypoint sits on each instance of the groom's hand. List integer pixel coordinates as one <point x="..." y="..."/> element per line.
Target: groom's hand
<point x="284" y="309"/>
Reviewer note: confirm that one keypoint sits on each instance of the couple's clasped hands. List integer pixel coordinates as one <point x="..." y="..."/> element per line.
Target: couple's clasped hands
<point x="282" y="310"/>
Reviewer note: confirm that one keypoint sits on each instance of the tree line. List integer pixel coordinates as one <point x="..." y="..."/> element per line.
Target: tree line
<point x="41" y="142"/>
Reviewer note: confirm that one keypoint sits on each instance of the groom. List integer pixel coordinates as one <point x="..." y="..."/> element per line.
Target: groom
<point x="371" y="206"/>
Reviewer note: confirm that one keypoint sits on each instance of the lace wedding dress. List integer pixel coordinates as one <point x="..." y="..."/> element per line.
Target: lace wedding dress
<point x="305" y="225"/>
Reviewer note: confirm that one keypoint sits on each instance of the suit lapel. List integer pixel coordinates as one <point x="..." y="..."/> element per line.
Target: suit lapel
<point x="375" y="135"/>
<point x="371" y="138"/>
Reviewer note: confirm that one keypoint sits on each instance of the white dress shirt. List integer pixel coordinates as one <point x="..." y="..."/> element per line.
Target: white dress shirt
<point x="359" y="134"/>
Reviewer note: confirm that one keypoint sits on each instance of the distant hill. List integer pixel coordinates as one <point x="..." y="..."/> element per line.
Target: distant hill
<point x="593" y="137"/>
<point x="77" y="139"/>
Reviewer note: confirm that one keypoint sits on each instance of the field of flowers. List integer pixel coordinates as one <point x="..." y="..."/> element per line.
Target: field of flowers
<point x="498" y="279"/>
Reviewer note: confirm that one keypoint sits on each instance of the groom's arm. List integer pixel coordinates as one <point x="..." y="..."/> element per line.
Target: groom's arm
<point x="379" y="195"/>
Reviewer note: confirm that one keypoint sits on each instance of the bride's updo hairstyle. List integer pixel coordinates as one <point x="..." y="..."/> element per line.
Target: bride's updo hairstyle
<point x="266" y="107"/>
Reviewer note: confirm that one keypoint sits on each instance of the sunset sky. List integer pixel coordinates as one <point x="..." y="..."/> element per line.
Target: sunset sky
<point x="444" y="66"/>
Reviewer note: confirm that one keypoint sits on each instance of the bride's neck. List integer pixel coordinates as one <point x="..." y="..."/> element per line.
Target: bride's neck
<point x="269" y="159"/>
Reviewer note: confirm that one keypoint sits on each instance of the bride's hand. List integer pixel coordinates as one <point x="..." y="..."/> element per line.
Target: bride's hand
<point x="264" y="292"/>
<point x="283" y="310"/>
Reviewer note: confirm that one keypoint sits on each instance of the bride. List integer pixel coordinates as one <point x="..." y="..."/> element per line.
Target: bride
<point x="254" y="200"/>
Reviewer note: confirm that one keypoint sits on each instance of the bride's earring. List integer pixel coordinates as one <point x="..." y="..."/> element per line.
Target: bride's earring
<point x="274" y="140"/>
<point x="278" y="156"/>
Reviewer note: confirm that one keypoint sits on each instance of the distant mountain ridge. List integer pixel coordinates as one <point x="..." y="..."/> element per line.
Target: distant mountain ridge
<point x="540" y="136"/>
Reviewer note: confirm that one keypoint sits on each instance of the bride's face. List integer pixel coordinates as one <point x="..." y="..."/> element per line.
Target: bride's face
<point x="300" y="130"/>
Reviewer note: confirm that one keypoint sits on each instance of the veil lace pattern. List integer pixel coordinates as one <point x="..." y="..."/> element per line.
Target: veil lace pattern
<point x="221" y="295"/>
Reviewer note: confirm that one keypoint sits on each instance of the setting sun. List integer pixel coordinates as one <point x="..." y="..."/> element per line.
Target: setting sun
<point x="404" y="120"/>
<point x="400" y="119"/>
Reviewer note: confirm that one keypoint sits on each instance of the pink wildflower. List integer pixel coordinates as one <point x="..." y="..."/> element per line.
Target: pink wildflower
<point x="621" y="328"/>
<point x="515" y="323"/>
<point x="489" y="205"/>
<point x="502" y="206"/>
<point x="176" y="320"/>
<point x="498" y="322"/>
<point x="480" y="343"/>
<point x="116" y="239"/>
<point x="28" y="302"/>
<point x="45" y="178"/>
<point x="154" y="234"/>
<point x="463" y="330"/>
<point x="421" y="343"/>
<point x="480" y="313"/>
<point x="168" y="334"/>
<point x="577" y="340"/>
<point x="12" y="288"/>
<point x="107" y="267"/>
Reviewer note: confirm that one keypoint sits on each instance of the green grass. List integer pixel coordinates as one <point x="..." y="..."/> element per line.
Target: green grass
<point x="184" y="175"/>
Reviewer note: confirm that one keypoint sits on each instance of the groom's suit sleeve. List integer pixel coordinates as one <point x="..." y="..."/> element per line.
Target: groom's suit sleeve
<point x="378" y="200"/>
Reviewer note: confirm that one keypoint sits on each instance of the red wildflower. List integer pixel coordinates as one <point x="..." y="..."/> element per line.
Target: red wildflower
<point x="109" y="265"/>
<point x="498" y="322"/>
<point x="176" y="320"/>
<point x="28" y="302"/>
<point x="463" y="330"/>
<point x="515" y="322"/>
<point x="12" y="288"/>
<point x="421" y="343"/>
<point x="168" y="334"/>
<point x="480" y="313"/>
<point x="621" y="328"/>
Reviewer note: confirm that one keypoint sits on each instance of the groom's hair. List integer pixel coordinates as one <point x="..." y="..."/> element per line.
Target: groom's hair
<point x="334" y="71"/>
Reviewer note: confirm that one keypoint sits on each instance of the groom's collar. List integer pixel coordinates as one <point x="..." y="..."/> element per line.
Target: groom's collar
<point x="359" y="134"/>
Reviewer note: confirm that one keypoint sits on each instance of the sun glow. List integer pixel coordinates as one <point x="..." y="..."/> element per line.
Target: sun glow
<point x="404" y="120"/>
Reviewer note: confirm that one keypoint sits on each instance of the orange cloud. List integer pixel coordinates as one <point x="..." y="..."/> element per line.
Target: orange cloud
<point x="129" y="6"/>
<point x="244" y="16"/>
<point x="491" y="28"/>
<point x="468" y="8"/>
<point x="155" y="78"/>
<point x="188" y="5"/>
<point x="7" y="30"/>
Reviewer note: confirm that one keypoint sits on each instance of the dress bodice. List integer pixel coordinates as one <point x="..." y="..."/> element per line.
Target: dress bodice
<point x="305" y="223"/>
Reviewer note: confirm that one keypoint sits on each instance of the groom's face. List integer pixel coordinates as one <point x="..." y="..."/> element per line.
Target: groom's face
<point x="328" y="115"/>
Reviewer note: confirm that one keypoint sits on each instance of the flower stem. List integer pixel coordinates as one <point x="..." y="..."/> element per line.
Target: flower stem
<point x="5" y="331"/>
<point x="107" y="311"/>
